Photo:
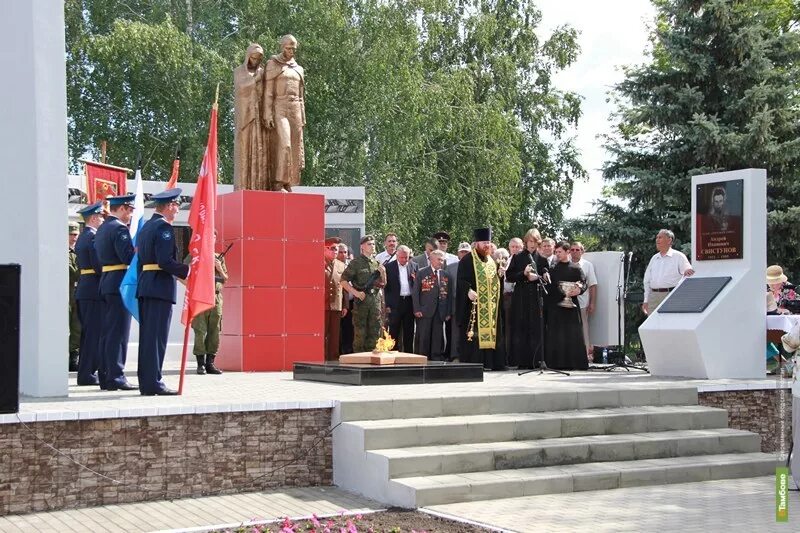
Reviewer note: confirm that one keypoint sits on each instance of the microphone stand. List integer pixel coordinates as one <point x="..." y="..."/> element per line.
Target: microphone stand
<point x="622" y="295"/>
<point x="542" y="366"/>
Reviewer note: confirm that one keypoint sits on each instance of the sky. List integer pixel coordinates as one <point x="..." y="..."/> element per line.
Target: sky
<point x="611" y="34"/>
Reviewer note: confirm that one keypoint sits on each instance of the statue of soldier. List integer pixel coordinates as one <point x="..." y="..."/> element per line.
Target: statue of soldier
<point x="250" y="139"/>
<point x="363" y="278"/>
<point x="285" y="115"/>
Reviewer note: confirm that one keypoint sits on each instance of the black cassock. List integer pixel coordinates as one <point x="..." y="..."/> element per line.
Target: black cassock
<point x="526" y="335"/>
<point x="469" y="352"/>
<point x="565" y="347"/>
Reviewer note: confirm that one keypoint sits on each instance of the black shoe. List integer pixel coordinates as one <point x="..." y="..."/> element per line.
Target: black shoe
<point x="201" y="364"/>
<point x="91" y="381"/>
<point x="124" y="386"/>
<point x="210" y="368"/>
<point x="161" y="392"/>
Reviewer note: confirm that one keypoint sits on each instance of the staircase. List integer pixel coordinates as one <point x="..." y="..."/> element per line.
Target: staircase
<point x="418" y="452"/>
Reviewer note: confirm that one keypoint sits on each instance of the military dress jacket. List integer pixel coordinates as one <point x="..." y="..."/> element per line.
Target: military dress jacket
<point x="156" y="243"/>
<point x="88" y="283"/>
<point x="114" y="248"/>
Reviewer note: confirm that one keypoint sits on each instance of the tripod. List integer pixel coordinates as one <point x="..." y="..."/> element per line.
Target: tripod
<point x="622" y="295"/>
<point x="542" y="366"/>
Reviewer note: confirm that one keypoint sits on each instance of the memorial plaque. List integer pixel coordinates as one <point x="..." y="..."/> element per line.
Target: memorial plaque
<point x="693" y="295"/>
<point x="719" y="220"/>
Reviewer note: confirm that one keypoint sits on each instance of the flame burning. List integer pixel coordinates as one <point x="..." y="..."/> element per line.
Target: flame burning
<point x="385" y="342"/>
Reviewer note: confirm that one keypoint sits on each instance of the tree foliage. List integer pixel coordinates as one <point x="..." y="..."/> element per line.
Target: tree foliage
<point x="443" y="109"/>
<point x="719" y="93"/>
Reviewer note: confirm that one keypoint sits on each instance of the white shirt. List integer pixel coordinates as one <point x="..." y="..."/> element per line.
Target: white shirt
<point x="450" y="258"/>
<point x="508" y="287"/>
<point x="384" y="255"/>
<point x="405" y="289"/>
<point x="664" y="271"/>
<point x="591" y="281"/>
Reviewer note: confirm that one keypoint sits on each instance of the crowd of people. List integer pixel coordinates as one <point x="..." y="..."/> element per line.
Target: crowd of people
<point x="99" y="258"/>
<point x="502" y="307"/>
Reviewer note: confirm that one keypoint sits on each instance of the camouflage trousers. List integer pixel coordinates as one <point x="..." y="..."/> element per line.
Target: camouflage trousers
<point x="206" y="328"/>
<point x="74" y="328"/>
<point x="366" y="323"/>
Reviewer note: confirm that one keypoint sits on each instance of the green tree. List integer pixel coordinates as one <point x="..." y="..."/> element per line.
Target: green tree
<point x="720" y="93"/>
<point x="443" y="109"/>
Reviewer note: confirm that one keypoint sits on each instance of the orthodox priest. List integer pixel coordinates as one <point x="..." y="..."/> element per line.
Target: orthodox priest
<point x="565" y="348"/>
<point x="478" y="305"/>
<point x="527" y="321"/>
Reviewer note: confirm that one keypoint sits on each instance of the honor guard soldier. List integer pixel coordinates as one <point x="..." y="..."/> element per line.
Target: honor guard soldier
<point x="115" y="251"/>
<point x="74" y="319"/>
<point x="363" y="278"/>
<point x="87" y="294"/>
<point x="207" y="324"/>
<point x="158" y="268"/>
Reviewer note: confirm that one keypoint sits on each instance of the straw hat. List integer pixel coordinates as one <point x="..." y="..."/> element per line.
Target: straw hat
<point x="775" y="275"/>
<point x="772" y="305"/>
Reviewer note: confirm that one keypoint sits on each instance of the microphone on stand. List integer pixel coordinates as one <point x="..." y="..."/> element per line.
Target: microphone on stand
<point x="630" y="256"/>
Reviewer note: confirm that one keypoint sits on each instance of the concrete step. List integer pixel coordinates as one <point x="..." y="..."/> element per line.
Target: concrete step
<point x="485" y="456"/>
<point x="503" y="427"/>
<point x="412" y="492"/>
<point x="347" y="411"/>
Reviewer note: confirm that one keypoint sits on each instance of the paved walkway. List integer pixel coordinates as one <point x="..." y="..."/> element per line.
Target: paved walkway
<point x="707" y="507"/>
<point x="193" y="514"/>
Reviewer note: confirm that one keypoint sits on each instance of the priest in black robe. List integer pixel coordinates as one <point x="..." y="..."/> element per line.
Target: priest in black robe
<point x="478" y="304"/>
<point x="565" y="348"/>
<point x="526" y="271"/>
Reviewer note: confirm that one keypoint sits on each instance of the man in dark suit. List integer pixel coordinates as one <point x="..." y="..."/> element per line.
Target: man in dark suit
<point x="158" y="268"/>
<point x="115" y="252"/>
<point x="422" y="260"/>
<point x="433" y="302"/>
<point x="90" y="302"/>
<point x="400" y="277"/>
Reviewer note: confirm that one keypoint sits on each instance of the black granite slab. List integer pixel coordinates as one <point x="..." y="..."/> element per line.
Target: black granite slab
<point x="351" y="374"/>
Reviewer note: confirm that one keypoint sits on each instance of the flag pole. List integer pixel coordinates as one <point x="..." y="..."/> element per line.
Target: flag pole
<point x="183" y="356"/>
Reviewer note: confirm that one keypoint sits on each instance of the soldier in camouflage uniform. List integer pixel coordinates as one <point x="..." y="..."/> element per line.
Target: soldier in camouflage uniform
<point x="74" y="319"/>
<point x="207" y="324"/>
<point x="362" y="271"/>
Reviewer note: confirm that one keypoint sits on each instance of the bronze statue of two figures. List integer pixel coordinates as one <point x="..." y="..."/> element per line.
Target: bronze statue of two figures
<point x="269" y="120"/>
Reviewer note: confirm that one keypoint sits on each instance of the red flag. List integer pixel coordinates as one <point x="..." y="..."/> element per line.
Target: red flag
<point x="173" y="179"/>
<point x="200" y="283"/>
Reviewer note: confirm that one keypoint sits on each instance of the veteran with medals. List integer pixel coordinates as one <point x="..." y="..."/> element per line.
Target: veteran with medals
<point x="478" y="306"/>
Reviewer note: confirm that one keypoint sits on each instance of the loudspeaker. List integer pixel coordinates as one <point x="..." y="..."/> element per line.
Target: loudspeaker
<point x="9" y="338"/>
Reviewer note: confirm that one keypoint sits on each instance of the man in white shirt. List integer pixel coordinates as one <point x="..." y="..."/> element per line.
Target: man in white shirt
<point x="442" y="242"/>
<point x="664" y="271"/>
<point x="587" y="300"/>
<point x="400" y="278"/>
<point x="389" y="249"/>
<point x="546" y="250"/>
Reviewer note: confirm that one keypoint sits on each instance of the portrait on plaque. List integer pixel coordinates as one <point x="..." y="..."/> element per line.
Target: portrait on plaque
<point x="719" y="222"/>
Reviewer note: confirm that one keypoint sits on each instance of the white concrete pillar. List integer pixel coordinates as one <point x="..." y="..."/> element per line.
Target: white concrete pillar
<point x="33" y="166"/>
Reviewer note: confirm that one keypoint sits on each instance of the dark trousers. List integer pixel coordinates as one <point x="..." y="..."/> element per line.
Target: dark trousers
<point x="91" y="358"/>
<point x="117" y="326"/>
<point x="401" y="325"/>
<point x="430" y="337"/>
<point x="346" y="332"/>
<point x="333" y="325"/>
<point x="154" y="316"/>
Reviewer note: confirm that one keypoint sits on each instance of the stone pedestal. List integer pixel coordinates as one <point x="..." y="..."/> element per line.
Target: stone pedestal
<point x="274" y="298"/>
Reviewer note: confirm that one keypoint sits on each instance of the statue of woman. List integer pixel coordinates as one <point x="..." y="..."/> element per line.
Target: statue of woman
<point x="250" y="139"/>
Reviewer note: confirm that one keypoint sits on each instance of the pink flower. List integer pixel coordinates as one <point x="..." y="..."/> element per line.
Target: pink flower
<point x="359" y="517"/>
<point x="315" y="521"/>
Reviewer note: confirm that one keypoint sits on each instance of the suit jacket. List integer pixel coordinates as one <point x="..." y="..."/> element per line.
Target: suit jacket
<point x="391" y="293"/>
<point x="88" y="284"/>
<point x="430" y="297"/>
<point x="334" y="294"/>
<point x="113" y="245"/>
<point x="421" y="260"/>
<point x="156" y="243"/>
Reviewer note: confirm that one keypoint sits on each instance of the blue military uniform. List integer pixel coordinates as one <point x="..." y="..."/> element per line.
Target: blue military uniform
<point x="90" y="302"/>
<point x="158" y="268"/>
<point x="115" y="251"/>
